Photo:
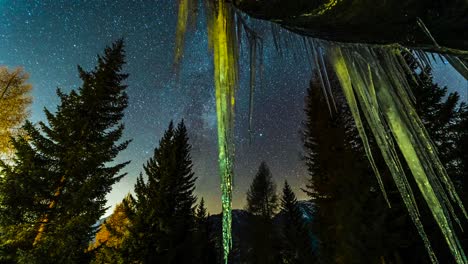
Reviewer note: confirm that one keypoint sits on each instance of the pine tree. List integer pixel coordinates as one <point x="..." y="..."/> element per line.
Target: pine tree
<point x="297" y="243"/>
<point x="262" y="199"/>
<point x="324" y="143"/>
<point x="163" y="218"/>
<point x="262" y="203"/>
<point x="340" y="183"/>
<point x="55" y="191"/>
<point x="203" y="242"/>
<point x="438" y="111"/>
<point x="201" y="213"/>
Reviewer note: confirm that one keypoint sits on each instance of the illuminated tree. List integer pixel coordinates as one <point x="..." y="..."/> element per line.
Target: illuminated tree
<point x="55" y="191"/>
<point x="108" y="241"/>
<point x="14" y="101"/>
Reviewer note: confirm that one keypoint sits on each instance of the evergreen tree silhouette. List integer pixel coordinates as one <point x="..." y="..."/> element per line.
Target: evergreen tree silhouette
<point x="349" y="209"/>
<point x="55" y="191"/>
<point x="203" y="242"/>
<point x="163" y="219"/>
<point x="297" y="243"/>
<point x="262" y="203"/>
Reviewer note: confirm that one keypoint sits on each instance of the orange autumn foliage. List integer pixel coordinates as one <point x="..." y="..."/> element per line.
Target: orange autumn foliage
<point x="113" y="230"/>
<point x="15" y="99"/>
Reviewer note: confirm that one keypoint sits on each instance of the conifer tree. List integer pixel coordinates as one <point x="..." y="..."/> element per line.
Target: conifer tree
<point x="297" y="243"/>
<point x="262" y="203"/>
<point x="340" y="182"/>
<point x="324" y="143"/>
<point x="439" y="111"/>
<point x="262" y="199"/>
<point x="201" y="213"/>
<point x="203" y="242"/>
<point x="163" y="219"/>
<point x="55" y="191"/>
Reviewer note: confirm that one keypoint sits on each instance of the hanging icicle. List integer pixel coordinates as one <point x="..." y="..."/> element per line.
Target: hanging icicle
<point x="373" y="77"/>
<point x="188" y="10"/>
<point x="255" y="44"/>
<point x="321" y="79"/>
<point x="322" y="67"/>
<point x="253" y="56"/>
<point x="456" y="62"/>
<point x="255" y="49"/>
<point x="223" y="43"/>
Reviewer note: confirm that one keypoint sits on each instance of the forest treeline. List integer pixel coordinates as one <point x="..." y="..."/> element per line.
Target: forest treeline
<point x="53" y="184"/>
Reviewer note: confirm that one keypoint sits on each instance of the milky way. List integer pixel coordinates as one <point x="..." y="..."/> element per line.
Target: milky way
<point x="49" y="38"/>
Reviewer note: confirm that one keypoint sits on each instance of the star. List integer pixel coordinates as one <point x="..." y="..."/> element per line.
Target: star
<point x="49" y="38"/>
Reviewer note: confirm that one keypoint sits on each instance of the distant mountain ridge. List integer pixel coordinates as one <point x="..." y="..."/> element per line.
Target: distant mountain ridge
<point x="240" y="221"/>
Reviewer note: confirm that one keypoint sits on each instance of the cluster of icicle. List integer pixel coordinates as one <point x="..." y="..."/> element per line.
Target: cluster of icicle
<point x="374" y="82"/>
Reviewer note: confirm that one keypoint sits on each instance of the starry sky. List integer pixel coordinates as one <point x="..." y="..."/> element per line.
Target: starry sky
<point x="49" y="38"/>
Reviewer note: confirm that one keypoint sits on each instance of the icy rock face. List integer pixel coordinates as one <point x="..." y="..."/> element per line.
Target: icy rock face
<point x="368" y="21"/>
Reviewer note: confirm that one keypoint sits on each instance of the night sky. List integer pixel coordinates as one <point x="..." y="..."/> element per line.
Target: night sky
<point x="49" y="38"/>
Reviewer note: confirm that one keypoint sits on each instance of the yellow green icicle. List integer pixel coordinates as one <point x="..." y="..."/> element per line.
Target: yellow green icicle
<point x="223" y="43"/>
<point x="373" y="77"/>
<point x="186" y="17"/>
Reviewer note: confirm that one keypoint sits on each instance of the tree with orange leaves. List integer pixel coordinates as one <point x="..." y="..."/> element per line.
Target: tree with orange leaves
<point x="111" y="234"/>
<point x="15" y="99"/>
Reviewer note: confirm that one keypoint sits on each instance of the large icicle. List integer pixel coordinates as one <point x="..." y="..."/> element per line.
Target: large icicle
<point x="223" y="42"/>
<point x="374" y="78"/>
